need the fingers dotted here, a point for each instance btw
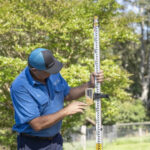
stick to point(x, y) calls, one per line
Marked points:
point(80, 111)
point(83, 108)
point(100, 72)
point(78, 107)
point(99, 76)
point(81, 103)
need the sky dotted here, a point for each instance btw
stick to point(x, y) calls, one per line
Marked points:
point(128, 6)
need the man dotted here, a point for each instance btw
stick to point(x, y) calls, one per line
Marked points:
point(38, 95)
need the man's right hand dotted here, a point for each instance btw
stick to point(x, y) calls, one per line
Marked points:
point(75, 107)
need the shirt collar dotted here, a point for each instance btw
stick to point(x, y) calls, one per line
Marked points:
point(30, 78)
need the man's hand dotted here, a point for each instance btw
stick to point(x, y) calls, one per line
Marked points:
point(99, 77)
point(75, 107)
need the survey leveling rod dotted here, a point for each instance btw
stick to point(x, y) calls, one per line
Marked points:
point(97, 96)
point(90, 95)
point(99, 128)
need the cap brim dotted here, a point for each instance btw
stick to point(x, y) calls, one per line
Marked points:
point(55, 68)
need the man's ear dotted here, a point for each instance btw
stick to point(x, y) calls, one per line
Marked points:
point(33, 70)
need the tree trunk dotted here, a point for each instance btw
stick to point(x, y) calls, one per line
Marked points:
point(144, 83)
point(144, 74)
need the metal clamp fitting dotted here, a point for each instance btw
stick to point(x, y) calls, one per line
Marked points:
point(100, 95)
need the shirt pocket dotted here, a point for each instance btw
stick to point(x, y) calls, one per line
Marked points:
point(59, 91)
point(42, 101)
point(59, 88)
point(43, 104)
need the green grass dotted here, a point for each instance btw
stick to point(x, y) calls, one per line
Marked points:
point(128, 143)
point(132, 143)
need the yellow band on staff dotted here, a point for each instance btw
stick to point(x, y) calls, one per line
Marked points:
point(95, 21)
point(95, 17)
point(98, 146)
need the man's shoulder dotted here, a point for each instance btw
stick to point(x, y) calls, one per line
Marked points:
point(20, 82)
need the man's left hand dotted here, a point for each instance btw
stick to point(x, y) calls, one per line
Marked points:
point(99, 77)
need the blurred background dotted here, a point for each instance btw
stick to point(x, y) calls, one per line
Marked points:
point(66, 28)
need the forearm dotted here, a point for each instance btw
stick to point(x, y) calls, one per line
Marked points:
point(47, 121)
point(77, 92)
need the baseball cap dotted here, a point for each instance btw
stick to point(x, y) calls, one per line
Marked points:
point(43, 59)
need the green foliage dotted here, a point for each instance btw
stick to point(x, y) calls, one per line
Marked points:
point(131, 112)
point(10, 68)
point(116, 83)
point(63, 26)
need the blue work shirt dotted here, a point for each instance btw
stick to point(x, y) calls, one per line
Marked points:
point(32, 99)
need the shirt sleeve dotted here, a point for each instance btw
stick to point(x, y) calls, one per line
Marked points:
point(25, 107)
point(66, 86)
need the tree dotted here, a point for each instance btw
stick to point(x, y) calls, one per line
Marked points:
point(136, 55)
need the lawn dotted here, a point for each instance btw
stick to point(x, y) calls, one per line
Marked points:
point(128, 143)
